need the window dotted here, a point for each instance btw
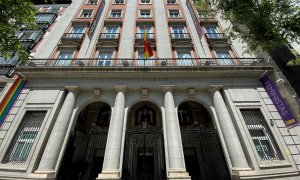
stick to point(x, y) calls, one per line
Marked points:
point(45, 18)
point(116, 14)
point(140, 59)
point(145, 1)
point(145, 13)
point(119, 2)
point(64, 58)
point(171, 2)
point(24, 138)
point(111, 32)
point(105, 57)
point(2, 85)
point(141, 30)
point(178, 32)
point(86, 13)
point(261, 135)
point(174, 14)
point(212, 32)
point(184, 57)
point(29, 35)
point(77, 32)
point(92, 1)
point(223, 58)
point(103, 117)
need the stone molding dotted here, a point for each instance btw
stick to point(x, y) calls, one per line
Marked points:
point(214, 88)
point(121, 88)
point(168, 88)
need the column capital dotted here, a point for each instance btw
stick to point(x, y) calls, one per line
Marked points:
point(214, 88)
point(121, 88)
point(168, 88)
point(72, 88)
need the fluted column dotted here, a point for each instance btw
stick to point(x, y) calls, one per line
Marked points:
point(53, 148)
point(111, 163)
point(233, 144)
point(174, 146)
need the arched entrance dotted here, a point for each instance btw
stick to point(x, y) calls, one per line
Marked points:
point(84, 155)
point(203, 153)
point(144, 149)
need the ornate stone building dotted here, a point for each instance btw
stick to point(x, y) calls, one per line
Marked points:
point(94, 108)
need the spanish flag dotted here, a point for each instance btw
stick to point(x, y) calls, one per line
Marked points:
point(147, 49)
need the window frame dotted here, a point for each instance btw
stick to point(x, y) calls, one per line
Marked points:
point(86, 11)
point(89, 2)
point(119, 2)
point(115, 11)
point(174, 11)
point(250, 146)
point(141, 2)
point(170, 3)
point(105, 50)
point(12, 132)
point(145, 11)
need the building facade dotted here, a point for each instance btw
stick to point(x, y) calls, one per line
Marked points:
point(94, 108)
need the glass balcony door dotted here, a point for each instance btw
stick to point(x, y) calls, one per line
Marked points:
point(64, 58)
point(104, 58)
point(178, 32)
point(111, 32)
point(184, 57)
point(224, 58)
point(212, 32)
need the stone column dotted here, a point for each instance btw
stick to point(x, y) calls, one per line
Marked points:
point(176, 162)
point(53, 148)
point(111, 163)
point(233, 144)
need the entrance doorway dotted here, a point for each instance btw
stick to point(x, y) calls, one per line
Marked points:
point(84, 155)
point(203, 153)
point(144, 149)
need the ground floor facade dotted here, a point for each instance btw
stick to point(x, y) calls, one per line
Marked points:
point(147, 126)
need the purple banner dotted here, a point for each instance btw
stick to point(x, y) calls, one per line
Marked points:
point(282, 108)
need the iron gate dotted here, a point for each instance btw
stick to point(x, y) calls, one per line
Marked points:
point(144, 155)
point(88, 166)
point(203, 154)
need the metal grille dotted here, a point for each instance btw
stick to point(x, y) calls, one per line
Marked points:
point(261, 135)
point(203, 153)
point(144, 155)
point(24, 138)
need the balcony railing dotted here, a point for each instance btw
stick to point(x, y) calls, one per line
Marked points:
point(186, 62)
point(180, 36)
point(141, 35)
point(73, 36)
point(215, 36)
point(109, 36)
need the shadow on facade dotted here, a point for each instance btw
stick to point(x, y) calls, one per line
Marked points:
point(84, 155)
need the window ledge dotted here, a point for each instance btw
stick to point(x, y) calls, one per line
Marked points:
point(274, 164)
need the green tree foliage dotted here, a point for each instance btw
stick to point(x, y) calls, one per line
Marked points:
point(267, 24)
point(14, 16)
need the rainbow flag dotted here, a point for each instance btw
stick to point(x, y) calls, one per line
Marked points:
point(10, 98)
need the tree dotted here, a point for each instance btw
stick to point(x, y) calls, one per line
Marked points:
point(268, 24)
point(14, 16)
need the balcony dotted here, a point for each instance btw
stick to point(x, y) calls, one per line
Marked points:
point(76, 37)
point(109, 39)
point(180, 36)
point(7, 65)
point(139, 37)
point(30, 38)
point(185, 62)
point(217, 39)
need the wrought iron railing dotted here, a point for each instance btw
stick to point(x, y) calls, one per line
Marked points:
point(141, 35)
point(109, 36)
point(186, 62)
point(215, 36)
point(73, 36)
point(180, 36)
